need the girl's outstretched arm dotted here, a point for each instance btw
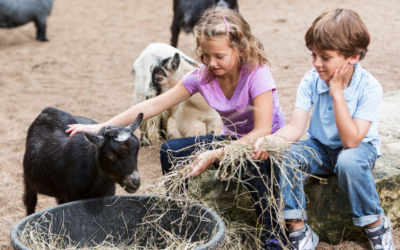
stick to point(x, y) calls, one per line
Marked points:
point(149, 108)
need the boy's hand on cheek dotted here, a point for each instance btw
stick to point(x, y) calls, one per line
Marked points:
point(336, 82)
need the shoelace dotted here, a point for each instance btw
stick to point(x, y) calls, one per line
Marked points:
point(294, 240)
point(377, 233)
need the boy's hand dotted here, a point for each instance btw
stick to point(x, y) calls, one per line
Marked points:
point(336, 82)
point(203, 162)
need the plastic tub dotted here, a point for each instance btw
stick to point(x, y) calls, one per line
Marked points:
point(91, 221)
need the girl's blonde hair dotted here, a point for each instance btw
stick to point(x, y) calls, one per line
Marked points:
point(241, 39)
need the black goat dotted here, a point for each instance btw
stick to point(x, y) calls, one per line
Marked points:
point(187, 13)
point(80, 167)
point(15, 13)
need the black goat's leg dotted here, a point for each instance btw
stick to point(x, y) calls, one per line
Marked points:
point(60, 201)
point(163, 129)
point(175, 30)
point(40, 24)
point(30, 198)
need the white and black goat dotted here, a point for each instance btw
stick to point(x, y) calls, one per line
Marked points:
point(80, 167)
point(162, 69)
point(187, 14)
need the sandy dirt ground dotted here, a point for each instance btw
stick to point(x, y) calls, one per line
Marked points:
point(85, 70)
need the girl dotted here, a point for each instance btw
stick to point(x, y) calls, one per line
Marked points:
point(235, 81)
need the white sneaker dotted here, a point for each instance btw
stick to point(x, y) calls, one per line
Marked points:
point(303, 239)
point(380, 237)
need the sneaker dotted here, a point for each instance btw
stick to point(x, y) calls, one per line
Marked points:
point(303, 239)
point(273, 244)
point(380, 237)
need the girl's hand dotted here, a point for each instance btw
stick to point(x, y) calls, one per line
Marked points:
point(259, 154)
point(336, 82)
point(76, 128)
point(203, 162)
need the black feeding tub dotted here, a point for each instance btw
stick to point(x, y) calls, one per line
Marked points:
point(91, 221)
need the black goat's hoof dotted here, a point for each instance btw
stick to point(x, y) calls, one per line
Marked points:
point(145, 144)
point(42, 39)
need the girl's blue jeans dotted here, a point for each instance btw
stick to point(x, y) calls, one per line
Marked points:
point(257, 182)
point(353, 168)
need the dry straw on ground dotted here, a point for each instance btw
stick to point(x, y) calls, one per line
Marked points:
point(151, 128)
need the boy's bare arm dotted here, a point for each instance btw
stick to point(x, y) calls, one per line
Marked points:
point(289, 133)
point(351, 130)
point(293, 130)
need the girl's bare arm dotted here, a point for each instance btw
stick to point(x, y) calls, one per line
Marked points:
point(149, 108)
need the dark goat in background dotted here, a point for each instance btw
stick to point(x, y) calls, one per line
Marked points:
point(187, 13)
point(14, 13)
point(80, 167)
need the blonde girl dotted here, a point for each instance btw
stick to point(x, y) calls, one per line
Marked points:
point(235, 80)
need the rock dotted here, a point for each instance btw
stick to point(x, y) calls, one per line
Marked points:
point(328, 208)
point(389, 123)
point(214, 192)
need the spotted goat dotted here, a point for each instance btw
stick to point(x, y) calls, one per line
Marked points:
point(159, 68)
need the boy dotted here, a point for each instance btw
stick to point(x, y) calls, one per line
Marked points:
point(342, 130)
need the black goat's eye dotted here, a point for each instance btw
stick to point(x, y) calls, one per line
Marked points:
point(159, 79)
point(110, 156)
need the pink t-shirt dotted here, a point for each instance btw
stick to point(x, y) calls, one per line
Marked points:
point(237, 113)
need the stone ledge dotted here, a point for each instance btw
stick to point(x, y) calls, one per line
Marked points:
point(328, 209)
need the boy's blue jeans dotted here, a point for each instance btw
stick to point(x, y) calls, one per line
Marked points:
point(353, 168)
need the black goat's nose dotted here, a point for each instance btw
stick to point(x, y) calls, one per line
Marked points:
point(131, 183)
point(135, 178)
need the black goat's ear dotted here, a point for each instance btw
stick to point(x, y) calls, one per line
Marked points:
point(96, 140)
point(137, 122)
point(175, 61)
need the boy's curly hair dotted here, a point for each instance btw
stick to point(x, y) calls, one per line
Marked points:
point(241, 39)
point(340, 30)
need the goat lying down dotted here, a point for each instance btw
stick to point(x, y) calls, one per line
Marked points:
point(80, 167)
point(159, 68)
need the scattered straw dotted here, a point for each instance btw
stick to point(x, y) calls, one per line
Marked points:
point(151, 128)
